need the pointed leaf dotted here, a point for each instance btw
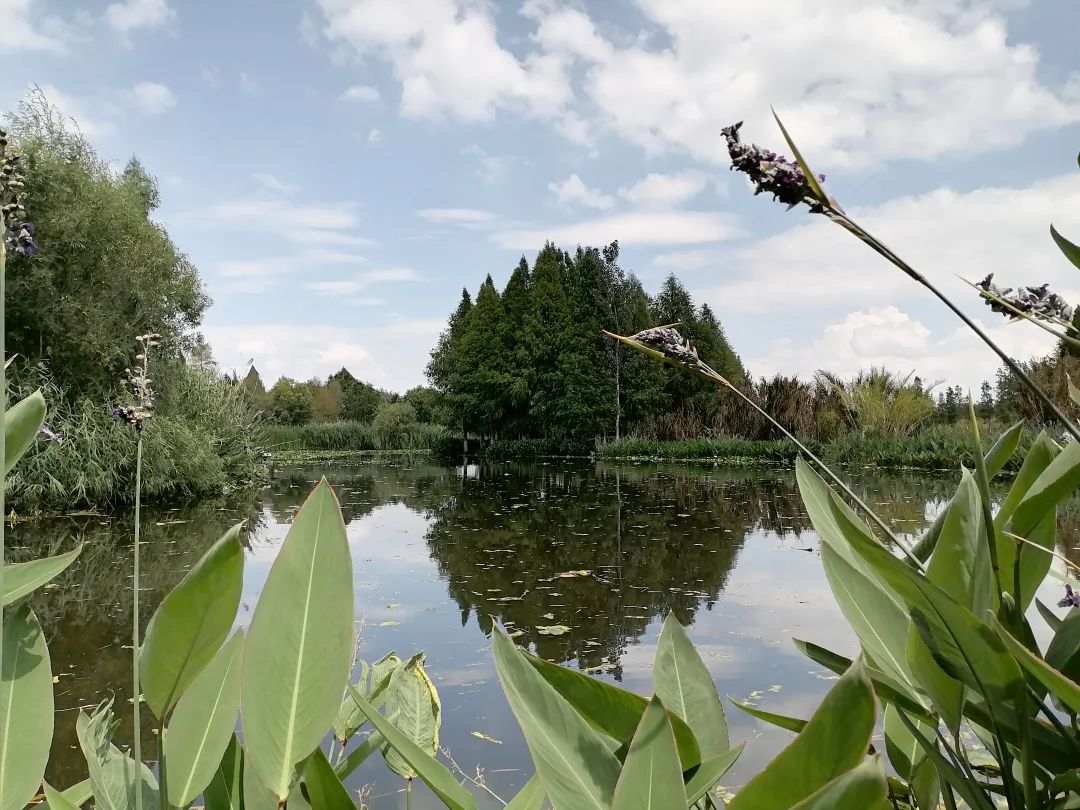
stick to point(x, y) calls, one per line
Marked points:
point(709, 772)
point(611, 709)
point(530, 797)
point(778, 720)
point(202, 724)
point(55, 800)
point(114, 775)
point(1042, 451)
point(1061, 687)
point(835, 740)
point(684, 685)
point(349, 719)
point(1051, 618)
point(359, 755)
point(79, 793)
point(1071, 251)
point(1063, 652)
point(576, 766)
point(324, 788)
point(1002, 450)
point(971, 792)
point(226, 788)
point(26, 708)
point(413, 707)
point(22, 422)
point(191, 623)
point(1059, 480)
point(861, 788)
point(811, 178)
point(651, 776)
point(299, 645)
point(24, 578)
point(430, 770)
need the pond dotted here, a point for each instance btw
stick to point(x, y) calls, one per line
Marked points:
point(440, 552)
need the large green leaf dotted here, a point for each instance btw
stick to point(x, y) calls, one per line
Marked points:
point(685, 687)
point(191, 623)
point(372, 683)
point(908, 757)
point(610, 709)
point(1042, 451)
point(1070, 250)
point(708, 773)
point(202, 724)
point(651, 777)
point(530, 797)
point(1060, 479)
point(1063, 652)
point(26, 708)
point(114, 775)
point(355, 758)
point(23, 578)
point(299, 645)
point(22, 422)
point(861, 788)
point(835, 740)
point(55, 800)
point(413, 707)
point(576, 766)
point(226, 788)
point(779, 720)
point(429, 769)
point(1061, 687)
point(969, 790)
point(79, 793)
point(324, 788)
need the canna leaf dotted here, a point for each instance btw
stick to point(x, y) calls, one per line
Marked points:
point(1061, 687)
point(324, 788)
point(778, 720)
point(1063, 652)
point(22, 422)
point(299, 646)
point(202, 724)
point(651, 776)
point(24, 578)
point(861, 788)
point(1069, 249)
point(684, 685)
point(55, 800)
point(530, 797)
point(709, 772)
point(226, 788)
point(26, 708)
point(413, 708)
point(114, 776)
point(191, 623)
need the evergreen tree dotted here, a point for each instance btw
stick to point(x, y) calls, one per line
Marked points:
point(358, 400)
point(518, 365)
point(443, 368)
point(546, 333)
point(256, 390)
point(986, 399)
point(481, 362)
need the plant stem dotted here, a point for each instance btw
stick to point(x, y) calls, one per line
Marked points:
point(3, 416)
point(849, 224)
point(163, 773)
point(1026, 758)
point(135, 691)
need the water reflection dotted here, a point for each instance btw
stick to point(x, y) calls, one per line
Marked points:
point(441, 552)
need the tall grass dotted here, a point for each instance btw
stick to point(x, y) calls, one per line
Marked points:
point(357, 436)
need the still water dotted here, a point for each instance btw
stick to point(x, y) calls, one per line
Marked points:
point(441, 552)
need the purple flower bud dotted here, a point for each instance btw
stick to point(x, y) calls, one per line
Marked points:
point(1072, 599)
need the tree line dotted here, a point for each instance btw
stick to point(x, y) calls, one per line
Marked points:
point(531, 360)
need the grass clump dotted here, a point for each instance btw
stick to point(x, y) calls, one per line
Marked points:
point(351, 436)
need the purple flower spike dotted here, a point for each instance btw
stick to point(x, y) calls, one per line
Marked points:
point(1072, 598)
point(769, 172)
point(47, 434)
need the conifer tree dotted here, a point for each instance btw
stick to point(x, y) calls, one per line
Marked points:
point(442, 369)
point(546, 333)
point(518, 365)
point(481, 362)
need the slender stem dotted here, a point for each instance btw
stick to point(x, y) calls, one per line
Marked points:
point(3, 416)
point(163, 772)
point(135, 691)
point(1026, 758)
point(849, 224)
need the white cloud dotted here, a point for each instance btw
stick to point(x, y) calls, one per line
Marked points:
point(391, 356)
point(362, 281)
point(456, 216)
point(941, 233)
point(573, 191)
point(688, 259)
point(262, 274)
point(657, 190)
point(361, 93)
point(78, 111)
point(374, 135)
point(492, 169)
point(887, 336)
point(28, 27)
point(322, 224)
point(248, 84)
point(633, 228)
point(273, 183)
point(151, 98)
point(130, 15)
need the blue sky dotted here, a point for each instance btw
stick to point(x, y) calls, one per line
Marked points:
point(339, 169)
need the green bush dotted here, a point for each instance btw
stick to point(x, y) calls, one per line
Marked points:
point(355, 436)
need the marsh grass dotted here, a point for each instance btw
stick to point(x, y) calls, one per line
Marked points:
point(350, 436)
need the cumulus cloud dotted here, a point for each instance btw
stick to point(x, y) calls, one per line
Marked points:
point(361, 93)
point(656, 190)
point(28, 27)
point(573, 191)
point(151, 98)
point(130, 15)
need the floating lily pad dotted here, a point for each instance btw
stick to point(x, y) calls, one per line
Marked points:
point(552, 629)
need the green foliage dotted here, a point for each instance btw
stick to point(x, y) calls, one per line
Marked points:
point(880, 403)
point(358, 436)
point(290, 402)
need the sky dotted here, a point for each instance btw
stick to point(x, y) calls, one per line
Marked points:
point(339, 169)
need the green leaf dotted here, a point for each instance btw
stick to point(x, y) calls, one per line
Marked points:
point(257, 796)
point(1063, 652)
point(1002, 450)
point(530, 797)
point(114, 775)
point(413, 707)
point(23, 578)
point(861, 788)
point(970, 791)
point(358, 755)
point(1051, 618)
point(905, 752)
point(226, 788)
point(960, 565)
point(324, 788)
point(191, 623)
point(1038, 458)
point(610, 709)
point(684, 685)
point(79, 793)
point(299, 645)
point(55, 800)
point(26, 708)
point(651, 776)
point(576, 766)
point(1071, 251)
point(1061, 687)
point(429, 769)
point(835, 740)
point(1055, 483)
point(778, 720)
point(348, 719)
point(709, 772)
point(811, 178)
point(22, 422)
point(202, 724)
